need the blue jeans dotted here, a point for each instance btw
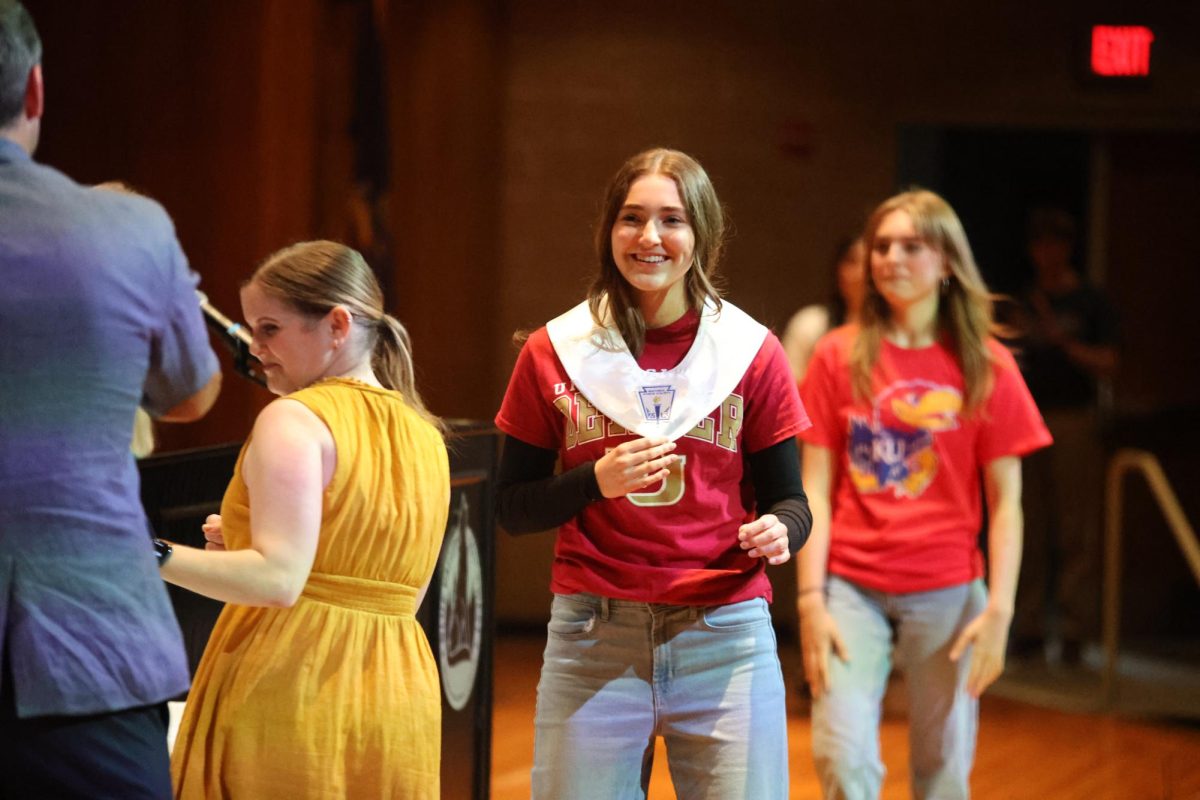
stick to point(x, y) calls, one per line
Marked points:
point(917, 630)
point(616, 674)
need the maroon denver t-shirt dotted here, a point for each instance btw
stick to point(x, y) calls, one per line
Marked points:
point(675, 542)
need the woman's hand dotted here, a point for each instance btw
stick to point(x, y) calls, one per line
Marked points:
point(819, 638)
point(765, 537)
point(632, 466)
point(988, 634)
point(213, 538)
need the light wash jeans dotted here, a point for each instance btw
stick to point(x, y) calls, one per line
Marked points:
point(616, 674)
point(918, 630)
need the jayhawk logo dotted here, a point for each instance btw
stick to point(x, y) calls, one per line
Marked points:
point(894, 446)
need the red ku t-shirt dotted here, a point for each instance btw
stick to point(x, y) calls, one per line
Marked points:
point(675, 542)
point(906, 488)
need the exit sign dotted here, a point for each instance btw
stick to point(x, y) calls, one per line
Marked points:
point(1121, 51)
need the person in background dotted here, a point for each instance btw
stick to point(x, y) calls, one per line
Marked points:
point(812, 322)
point(1067, 349)
point(674, 417)
point(912, 408)
point(142, 439)
point(317, 680)
point(141, 443)
point(98, 316)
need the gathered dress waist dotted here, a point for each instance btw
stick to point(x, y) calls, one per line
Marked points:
point(361, 594)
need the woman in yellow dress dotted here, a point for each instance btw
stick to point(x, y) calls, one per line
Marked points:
point(317, 681)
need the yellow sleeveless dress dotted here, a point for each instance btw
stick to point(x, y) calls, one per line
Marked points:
point(337, 696)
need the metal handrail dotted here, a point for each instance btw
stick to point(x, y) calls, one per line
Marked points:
point(1124, 461)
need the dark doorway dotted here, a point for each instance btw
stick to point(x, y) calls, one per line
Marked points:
point(993, 178)
point(1136, 198)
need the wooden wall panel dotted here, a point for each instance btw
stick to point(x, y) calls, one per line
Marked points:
point(211, 109)
point(446, 71)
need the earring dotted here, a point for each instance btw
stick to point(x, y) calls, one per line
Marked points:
point(946, 285)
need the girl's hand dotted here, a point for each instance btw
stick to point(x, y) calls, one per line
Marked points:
point(819, 639)
point(632, 466)
point(987, 635)
point(214, 540)
point(765, 537)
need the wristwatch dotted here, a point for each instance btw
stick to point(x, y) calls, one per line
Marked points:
point(162, 550)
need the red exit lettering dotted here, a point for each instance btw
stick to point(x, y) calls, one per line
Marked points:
point(1121, 50)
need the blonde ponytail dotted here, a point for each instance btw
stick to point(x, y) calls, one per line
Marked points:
point(392, 362)
point(316, 276)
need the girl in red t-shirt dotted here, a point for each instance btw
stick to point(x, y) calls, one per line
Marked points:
point(673, 416)
point(910, 408)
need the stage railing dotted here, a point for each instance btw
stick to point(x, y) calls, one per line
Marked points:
point(1123, 462)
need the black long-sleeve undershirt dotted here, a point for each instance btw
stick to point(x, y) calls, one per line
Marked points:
point(775, 475)
point(530, 497)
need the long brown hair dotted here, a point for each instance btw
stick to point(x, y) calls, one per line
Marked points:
point(704, 214)
point(314, 277)
point(964, 309)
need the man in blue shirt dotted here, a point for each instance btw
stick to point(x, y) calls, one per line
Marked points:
point(98, 315)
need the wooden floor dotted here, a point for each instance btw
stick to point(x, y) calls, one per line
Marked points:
point(1024, 752)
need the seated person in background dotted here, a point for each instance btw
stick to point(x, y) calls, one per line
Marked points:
point(812, 322)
